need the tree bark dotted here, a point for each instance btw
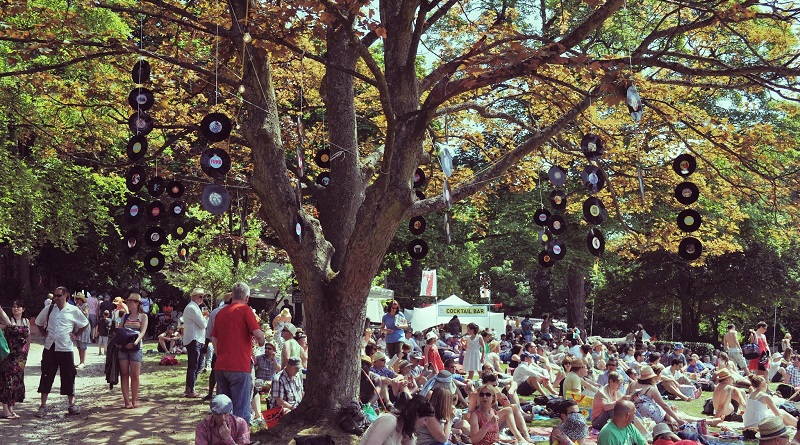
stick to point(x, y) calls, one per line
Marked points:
point(576, 302)
point(686, 296)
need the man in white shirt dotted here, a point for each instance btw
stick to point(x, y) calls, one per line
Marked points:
point(530, 377)
point(672, 378)
point(194, 336)
point(63, 323)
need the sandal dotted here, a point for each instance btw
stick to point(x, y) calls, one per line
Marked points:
point(42, 412)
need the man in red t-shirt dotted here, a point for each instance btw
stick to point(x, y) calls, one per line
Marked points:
point(234, 329)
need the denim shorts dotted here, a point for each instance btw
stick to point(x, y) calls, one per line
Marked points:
point(131, 356)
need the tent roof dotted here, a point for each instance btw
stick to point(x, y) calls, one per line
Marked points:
point(453, 300)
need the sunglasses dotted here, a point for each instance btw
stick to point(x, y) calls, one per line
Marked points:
point(486, 394)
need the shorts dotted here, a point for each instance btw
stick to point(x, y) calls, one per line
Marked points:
point(524, 389)
point(102, 341)
point(131, 356)
point(81, 345)
point(735, 355)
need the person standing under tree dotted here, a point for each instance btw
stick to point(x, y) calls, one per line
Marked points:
point(61, 323)
point(730, 341)
point(12, 368)
point(392, 324)
point(194, 330)
point(760, 365)
point(130, 354)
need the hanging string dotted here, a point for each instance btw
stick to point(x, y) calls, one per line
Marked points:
point(216, 66)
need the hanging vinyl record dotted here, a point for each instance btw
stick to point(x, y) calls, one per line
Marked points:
point(215, 199)
point(690, 248)
point(558, 199)
point(134, 209)
point(155, 186)
point(592, 147)
point(180, 231)
point(684, 165)
point(634, 103)
point(131, 242)
point(417, 225)
point(557, 176)
point(419, 177)
point(243, 254)
point(448, 234)
point(155, 236)
point(153, 262)
point(323, 158)
point(215, 162)
point(446, 195)
point(183, 252)
point(175, 189)
point(596, 242)
point(140, 123)
point(298, 229)
point(177, 209)
point(545, 236)
point(137, 148)
point(155, 210)
point(593, 178)
point(557, 249)
point(419, 194)
point(540, 217)
point(689, 220)
point(417, 249)
point(546, 259)
point(594, 212)
point(216, 127)
point(324, 179)
point(141, 72)
point(141, 99)
point(686, 193)
point(557, 224)
point(135, 178)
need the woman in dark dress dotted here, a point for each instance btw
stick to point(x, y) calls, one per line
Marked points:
point(12, 369)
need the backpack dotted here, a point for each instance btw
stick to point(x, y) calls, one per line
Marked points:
point(168, 360)
point(708, 407)
point(352, 419)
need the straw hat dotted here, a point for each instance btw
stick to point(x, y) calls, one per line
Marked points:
point(772, 427)
point(198, 291)
point(402, 364)
point(432, 335)
point(577, 363)
point(646, 373)
point(118, 300)
point(80, 296)
point(661, 428)
point(378, 356)
point(723, 374)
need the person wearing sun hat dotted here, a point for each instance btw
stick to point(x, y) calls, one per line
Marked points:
point(222, 426)
point(727, 397)
point(194, 337)
point(431, 352)
point(772, 431)
point(82, 341)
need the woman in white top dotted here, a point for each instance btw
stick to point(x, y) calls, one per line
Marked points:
point(760, 405)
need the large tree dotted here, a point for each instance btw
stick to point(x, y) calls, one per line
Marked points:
point(383, 83)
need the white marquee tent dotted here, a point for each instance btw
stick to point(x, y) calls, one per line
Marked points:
point(426, 317)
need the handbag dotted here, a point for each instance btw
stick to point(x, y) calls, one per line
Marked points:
point(272, 416)
point(750, 351)
point(123, 336)
point(4, 349)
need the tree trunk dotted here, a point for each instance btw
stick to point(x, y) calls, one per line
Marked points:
point(685, 294)
point(576, 301)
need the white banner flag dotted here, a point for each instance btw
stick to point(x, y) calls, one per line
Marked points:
point(486, 293)
point(427, 287)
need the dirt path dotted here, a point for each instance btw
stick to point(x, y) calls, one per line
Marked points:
point(164, 415)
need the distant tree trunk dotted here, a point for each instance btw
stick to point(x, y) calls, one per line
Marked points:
point(689, 320)
point(576, 302)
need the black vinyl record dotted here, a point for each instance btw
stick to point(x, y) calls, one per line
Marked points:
point(690, 248)
point(592, 147)
point(183, 252)
point(686, 193)
point(134, 209)
point(546, 259)
point(419, 194)
point(175, 189)
point(140, 123)
point(557, 176)
point(417, 249)
point(299, 229)
point(180, 231)
point(557, 249)
point(216, 127)
point(557, 224)
point(153, 262)
point(215, 199)
point(243, 254)
point(448, 233)
point(689, 220)
point(155, 210)
point(596, 242)
point(140, 73)
point(135, 178)
point(131, 242)
point(558, 199)
point(417, 225)
point(545, 236)
point(177, 209)
point(215, 162)
point(684, 165)
point(324, 179)
point(634, 103)
point(141, 99)
point(446, 195)
point(541, 216)
point(593, 178)
point(323, 158)
point(155, 236)
point(155, 186)
point(419, 177)
point(594, 212)
point(137, 148)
